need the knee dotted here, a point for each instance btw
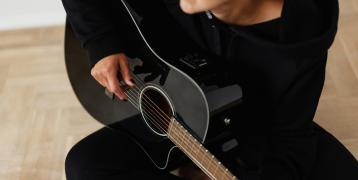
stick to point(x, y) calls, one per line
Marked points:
point(75, 163)
point(95, 156)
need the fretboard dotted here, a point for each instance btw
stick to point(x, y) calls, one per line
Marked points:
point(197, 152)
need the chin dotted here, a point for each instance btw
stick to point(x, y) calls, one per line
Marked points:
point(195, 6)
point(188, 10)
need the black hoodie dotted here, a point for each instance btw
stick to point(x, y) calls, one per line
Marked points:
point(282, 79)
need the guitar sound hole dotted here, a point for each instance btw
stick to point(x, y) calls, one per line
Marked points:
point(156, 109)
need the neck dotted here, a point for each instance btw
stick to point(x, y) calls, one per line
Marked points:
point(198, 153)
point(247, 12)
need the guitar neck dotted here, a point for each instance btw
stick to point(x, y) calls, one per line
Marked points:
point(197, 152)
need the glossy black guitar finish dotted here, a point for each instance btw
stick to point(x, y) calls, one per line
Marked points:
point(185, 82)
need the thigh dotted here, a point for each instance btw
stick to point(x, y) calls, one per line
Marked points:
point(108, 154)
point(334, 161)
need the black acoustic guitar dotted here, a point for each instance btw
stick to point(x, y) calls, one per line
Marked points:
point(179, 91)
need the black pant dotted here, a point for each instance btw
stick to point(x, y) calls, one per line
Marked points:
point(107, 154)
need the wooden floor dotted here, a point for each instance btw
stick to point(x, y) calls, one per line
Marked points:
point(40, 118)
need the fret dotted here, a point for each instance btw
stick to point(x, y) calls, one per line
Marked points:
point(214, 166)
point(217, 167)
point(170, 127)
point(195, 150)
point(208, 160)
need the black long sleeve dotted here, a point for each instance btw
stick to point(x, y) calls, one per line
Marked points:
point(95, 26)
point(291, 151)
point(292, 142)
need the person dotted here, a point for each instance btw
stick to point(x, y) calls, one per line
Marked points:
point(278, 50)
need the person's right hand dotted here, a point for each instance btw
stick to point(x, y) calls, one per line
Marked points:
point(105, 72)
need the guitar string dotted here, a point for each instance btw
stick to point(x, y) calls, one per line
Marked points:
point(188, 153)
point(208, 158)
point(124, 3)
point(184, 140)
point(147, 98)
point(140, 81)
point(150, 114)
point(156, 108)
point(195, 151)
point(180, 138)
point(148, 107)
point(216, 163)
point(159, 126)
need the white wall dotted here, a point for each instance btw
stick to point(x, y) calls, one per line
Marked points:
point(30, 13)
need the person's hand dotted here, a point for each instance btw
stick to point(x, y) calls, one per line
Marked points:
point(105, 73)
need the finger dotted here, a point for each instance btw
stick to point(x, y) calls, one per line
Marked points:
point(114, 86)
point(125, 71)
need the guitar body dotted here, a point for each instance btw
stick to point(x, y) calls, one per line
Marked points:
point(170, 72)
